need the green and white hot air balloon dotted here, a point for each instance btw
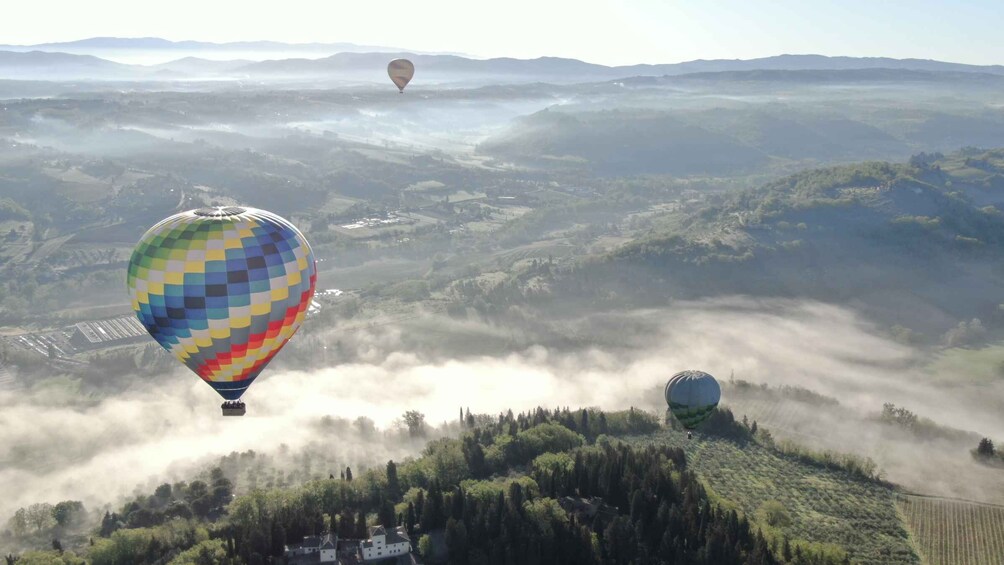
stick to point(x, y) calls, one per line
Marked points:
point(692, 397)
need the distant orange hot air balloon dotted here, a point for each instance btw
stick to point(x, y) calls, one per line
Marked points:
point(401, 71)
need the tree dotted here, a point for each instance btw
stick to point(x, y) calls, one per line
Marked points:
point(66, 512)
point(393, 486)
point(40, 516)
point(409, 518)
point(346, 524)
point(361, 531)
point(196, 490)
point(456, 541)
point(386, 515)
point(415, 421)
point(774, 513)
point(222, 488)
point(425, 546)
point(278, 539)
point(199, 498)
point(457, 507)
point(433, 515)
point(109, 523)
point(19, 522)
point(163, 492)
point(985, 448)
point(365, 426)
point(900, 416)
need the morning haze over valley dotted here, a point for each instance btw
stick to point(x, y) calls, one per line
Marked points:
point(613, 283)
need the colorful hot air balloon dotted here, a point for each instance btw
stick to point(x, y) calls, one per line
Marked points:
point(401, 71)
point(223, 289)
point(692, 397)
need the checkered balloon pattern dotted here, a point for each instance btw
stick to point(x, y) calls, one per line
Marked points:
point(223, 289)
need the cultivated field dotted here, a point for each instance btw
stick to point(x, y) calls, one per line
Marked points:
point(776, 413)
point(949, 532)
point(824, 506)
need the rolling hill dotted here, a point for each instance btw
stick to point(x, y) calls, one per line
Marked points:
point(617, 142)
point(857, 234)
point(39, 65)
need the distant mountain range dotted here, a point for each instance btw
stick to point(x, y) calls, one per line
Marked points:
point(564, 68)
point(809, 76)
point(77, 60)
point(39, 65)
point(158, 44)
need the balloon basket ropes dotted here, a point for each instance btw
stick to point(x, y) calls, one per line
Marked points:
point(233, 408)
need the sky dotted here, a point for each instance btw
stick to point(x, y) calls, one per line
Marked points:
point(601, 31)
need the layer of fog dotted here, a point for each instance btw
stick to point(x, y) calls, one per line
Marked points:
point(421, 122)
point(457, 126)
point(102, 450)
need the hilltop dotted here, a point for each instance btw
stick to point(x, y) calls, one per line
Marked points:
point(848, 234)
point(559, 482)
point(545, 486)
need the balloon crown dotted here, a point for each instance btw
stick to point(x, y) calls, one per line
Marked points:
point(220, 211)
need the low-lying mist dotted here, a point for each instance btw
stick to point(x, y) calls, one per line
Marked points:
point(103, 449)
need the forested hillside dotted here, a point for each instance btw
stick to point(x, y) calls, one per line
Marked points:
point(857, 233)
point(538, 487)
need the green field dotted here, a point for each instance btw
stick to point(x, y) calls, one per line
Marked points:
point(371, 272)
point(777, 413)
point(979, 365)
point(949, 532)
point(825, 506)
point(539, 250)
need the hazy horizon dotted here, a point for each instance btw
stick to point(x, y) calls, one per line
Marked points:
point(638, 32)
point(514, 260)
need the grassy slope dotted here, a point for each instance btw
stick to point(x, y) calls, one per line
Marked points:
point(841, 429)
point(825, 506)
point(982, 364)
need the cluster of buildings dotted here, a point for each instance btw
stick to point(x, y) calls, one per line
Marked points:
point(109, 332)
point(101, 333)
point(376, 222)
point(384, 546)
point(84, 336)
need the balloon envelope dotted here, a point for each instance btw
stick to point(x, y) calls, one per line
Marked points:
point(401, 71)
point(222, 289)
point(692, 397)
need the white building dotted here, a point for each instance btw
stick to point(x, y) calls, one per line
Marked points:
point(383, 544)
point(313, 549)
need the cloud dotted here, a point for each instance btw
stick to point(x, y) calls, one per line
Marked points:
point(99, 451)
